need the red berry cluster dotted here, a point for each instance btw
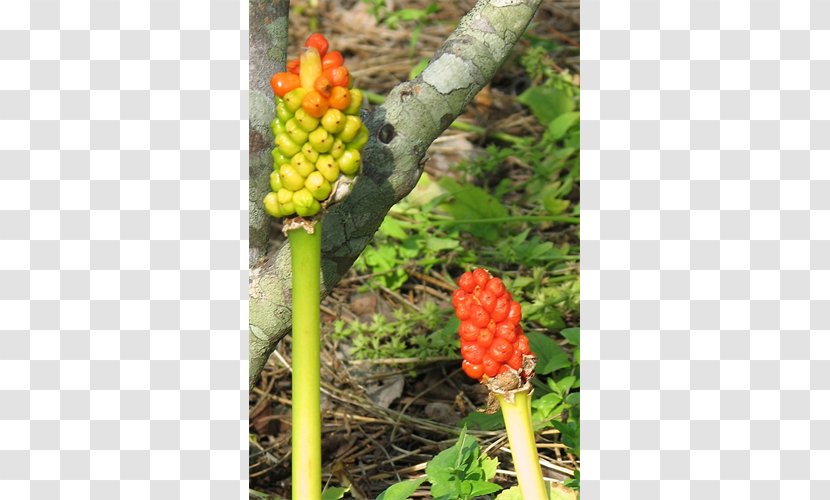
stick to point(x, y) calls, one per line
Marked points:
point(492, 341)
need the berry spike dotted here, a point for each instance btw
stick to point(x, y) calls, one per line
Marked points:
point(318, 133)
point(492, 340)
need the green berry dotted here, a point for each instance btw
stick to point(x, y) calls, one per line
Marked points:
point(276, 184)
point(337, 149)
point(318, 186)
point(350, 129)
point(272, 206)
point(295, 131)
point(290, 178)
point(333, 121)
point(321, 140)
point(303, 166)
point(287, 147)
point(285, 196)
point(360, 139)
point(349, 163)
point(305, 204)
point(294, 99)
point(354, 105)
point(308, 122)
point(282, 112)
point(327, 166)
point(310, 153)
point(287, 208)
point(277, 127)
point(279, 158)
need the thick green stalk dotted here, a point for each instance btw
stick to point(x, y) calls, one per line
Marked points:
point(305, 364)
point(519, 428)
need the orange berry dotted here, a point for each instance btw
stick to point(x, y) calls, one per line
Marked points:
point(323, 86)
point(315, 104)
point(293, 66)
point(340, 98)
point(283, 83)
point(338, 76)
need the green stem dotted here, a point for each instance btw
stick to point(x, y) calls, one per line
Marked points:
point(374, 98)
point(523, 444)
point(518, 218)
point(306, 477)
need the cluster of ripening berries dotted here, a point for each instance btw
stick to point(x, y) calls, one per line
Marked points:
point(318, 133)
point(492, 342)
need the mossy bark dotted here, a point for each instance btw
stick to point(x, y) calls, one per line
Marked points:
point(413, 116)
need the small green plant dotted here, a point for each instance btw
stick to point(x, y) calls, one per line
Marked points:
point(459, 472)
point(423, 333)
point(392, 18)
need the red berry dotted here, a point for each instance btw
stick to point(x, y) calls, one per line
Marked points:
point(491, 366)
point(293, 66)
point(495, 286)
point(462, 310)
point(332, 60)
point(472, 352)
point(479, 316)
point(467, 282)
point(468, 331)
point(488, 301)
point(515, 313)
point(485, 337)
point(472, 371)
point(504, 368)
point(319, 42)
point(515, 361)
point(506, 331)
point(481, 276)
point(500, 309)
point(501, 350)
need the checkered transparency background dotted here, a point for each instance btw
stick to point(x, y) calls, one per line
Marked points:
point(123, 269)
point(706, 249)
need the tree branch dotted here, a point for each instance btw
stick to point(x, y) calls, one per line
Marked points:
point(268, 44)
point(401, 130)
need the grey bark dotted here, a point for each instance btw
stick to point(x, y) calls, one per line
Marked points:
point(267, 44)
point(413, 116)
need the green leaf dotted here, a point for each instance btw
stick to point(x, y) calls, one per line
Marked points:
point(471, 202)
point(513, 493)
point(560, 125)
point(334, 493)
point(558, 491)
point(402, 490)
point(393, 228)
point(418, 68)
point(480, 488)
point(546, 103)
point(483, 421)
point(571, 335)
point(489, 466)
point(550, 356)
point(566, 383)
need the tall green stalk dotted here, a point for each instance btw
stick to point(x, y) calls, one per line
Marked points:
point(306, 477)
point(519, 427)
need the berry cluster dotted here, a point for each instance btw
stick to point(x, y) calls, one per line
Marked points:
point(492, 342)
point(318, 133)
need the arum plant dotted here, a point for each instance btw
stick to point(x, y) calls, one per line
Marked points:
point(496, 352)
point(318, 136)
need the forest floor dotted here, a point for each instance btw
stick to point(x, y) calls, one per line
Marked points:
point(393, 392)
